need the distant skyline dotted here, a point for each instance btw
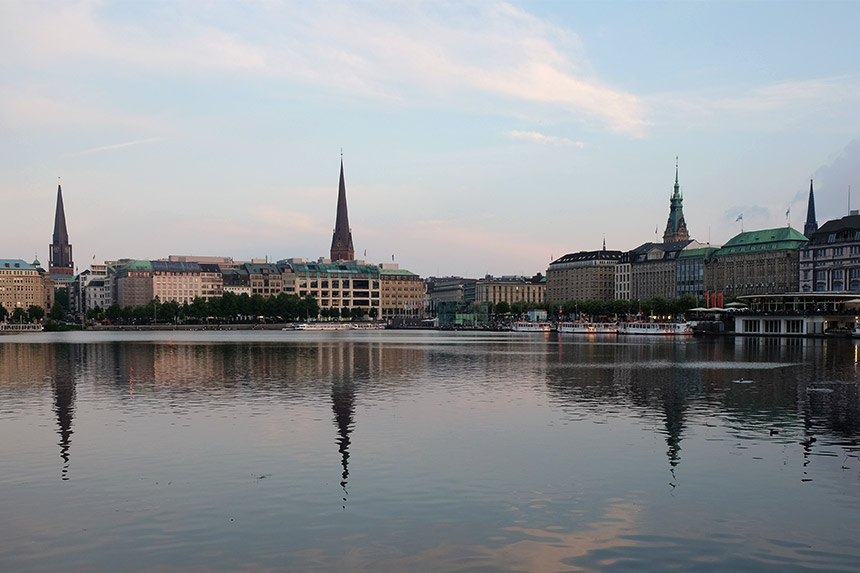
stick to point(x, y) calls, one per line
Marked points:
point(477, 138)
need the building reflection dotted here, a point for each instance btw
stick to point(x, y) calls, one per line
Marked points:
point(63, 383)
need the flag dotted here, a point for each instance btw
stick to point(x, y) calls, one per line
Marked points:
point(740, 218)
point(787, 211)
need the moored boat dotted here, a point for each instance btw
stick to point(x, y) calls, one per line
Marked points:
point(583, 327)
point(526, 326)
point(318, 326)
point(655, 328)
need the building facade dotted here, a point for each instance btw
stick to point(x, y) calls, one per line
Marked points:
point(756, 262)
point(339, 285)
point(830, 262)
point(401, 293)
point(23, 285)
point(582, 276)
point(511, 289)
point(690, 271)
point(653, 269)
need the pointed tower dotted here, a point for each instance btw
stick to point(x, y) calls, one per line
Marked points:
point(60, 259)
point(811, 223)
point(676, 227)
point(341, 240)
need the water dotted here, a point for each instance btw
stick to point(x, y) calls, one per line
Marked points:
point(391, 451)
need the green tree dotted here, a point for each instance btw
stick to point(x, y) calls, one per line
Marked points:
point(35, 313)
point(309, 308)
point(169, 311)
point(374, 313)
point(61, 296)
point(19, 314)
point(502, 307)
point(3, 313)
point(113, 312)
point(345, 312)
point(57, 312)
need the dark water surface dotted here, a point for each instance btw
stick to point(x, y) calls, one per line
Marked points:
point(427, 451)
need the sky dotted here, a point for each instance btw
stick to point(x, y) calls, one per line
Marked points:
point(476, 138)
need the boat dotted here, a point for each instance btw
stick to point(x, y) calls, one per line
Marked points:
point(526, 326)
point(15, 327)
point(334, 326)
point(655, 328)
point(318, 326)
point(583, 327)
point(367, 326)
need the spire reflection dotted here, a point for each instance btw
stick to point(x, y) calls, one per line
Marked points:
point(64, 401)
point(343, 406)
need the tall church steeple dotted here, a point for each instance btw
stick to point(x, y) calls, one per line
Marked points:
point(60, 260)
point(811, 223)
point(341, 240)
point(676, 227)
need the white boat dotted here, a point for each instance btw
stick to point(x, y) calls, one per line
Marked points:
point(14, 327)
point(656, 328)
point(526, 326)
point(582, 327)
point(367, 326)
point(318, 326)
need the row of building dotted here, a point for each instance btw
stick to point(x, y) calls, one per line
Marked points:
point(770, 261)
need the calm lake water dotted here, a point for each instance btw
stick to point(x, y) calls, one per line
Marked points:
point(427, 451)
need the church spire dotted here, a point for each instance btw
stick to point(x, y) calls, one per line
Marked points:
point(60, 260)
point(811, 223)
point(676, 227)
point(341, 240)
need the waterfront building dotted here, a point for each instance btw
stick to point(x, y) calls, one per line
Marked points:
point(23, 285)
point(60, 263)
point(653, 269)
point(830, 262)
point(442, 290)
point(799, 314)
point(138, 282)
point(676, 226)
point(236, 281)
point(264, 279)
point(622, 277)
point(690, 271)
point(583, 275)
point(89, 289)
point(511, 289)
point(401, 292)
point(811, 225)
point(341, 241)
point(222, 262)
point(756, 262)
point(339, 284)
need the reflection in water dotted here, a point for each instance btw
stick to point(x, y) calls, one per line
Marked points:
point(342, 397)
point(64, 399)
point(509, 453)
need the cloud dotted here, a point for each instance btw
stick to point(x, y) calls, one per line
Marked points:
point(541, 138)
point(772, 106)
point(116, 146)
point(27, 107)
point(832, 181)
point(408, 53)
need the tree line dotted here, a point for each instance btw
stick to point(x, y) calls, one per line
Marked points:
point(229, 307)
point(656, 306)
